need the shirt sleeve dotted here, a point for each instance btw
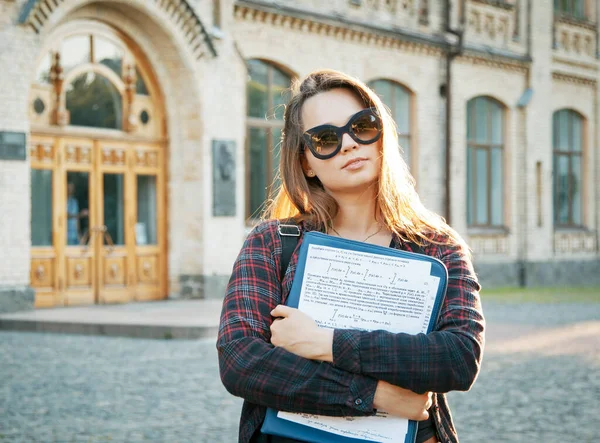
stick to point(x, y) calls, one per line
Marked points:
point(252, 368)
point(444, 360)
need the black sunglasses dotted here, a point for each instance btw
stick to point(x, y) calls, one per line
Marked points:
point(325, 141)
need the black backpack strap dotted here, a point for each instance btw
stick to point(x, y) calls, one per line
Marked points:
point(289, 232)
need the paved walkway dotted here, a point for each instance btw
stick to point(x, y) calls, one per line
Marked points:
point(540, 381)
point(160, 319)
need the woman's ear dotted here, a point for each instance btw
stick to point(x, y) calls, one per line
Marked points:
point(306, 167)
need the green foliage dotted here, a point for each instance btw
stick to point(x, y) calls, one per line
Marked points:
point(557, 294)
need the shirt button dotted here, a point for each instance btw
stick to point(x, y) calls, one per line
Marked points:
point(358, 402)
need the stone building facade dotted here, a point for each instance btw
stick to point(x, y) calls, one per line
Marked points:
point(155, 124)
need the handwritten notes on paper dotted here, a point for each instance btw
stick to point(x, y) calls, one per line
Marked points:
point(343, 289)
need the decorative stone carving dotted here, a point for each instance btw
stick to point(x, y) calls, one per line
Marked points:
point(113, 156)
point(79, 154)
point(146, 159)
point(574, 242)
point(489, 244)
point(42, 152)
point(577, 41)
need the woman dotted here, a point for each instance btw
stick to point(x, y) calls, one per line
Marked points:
point(342, 173)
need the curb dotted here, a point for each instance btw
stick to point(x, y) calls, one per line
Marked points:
point(157, 332)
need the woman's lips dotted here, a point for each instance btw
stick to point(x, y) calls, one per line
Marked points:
point(356, 163)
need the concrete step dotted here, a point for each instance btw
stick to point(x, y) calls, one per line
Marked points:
point(171, 319)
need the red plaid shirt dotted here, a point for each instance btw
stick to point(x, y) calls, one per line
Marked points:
point(251, 367)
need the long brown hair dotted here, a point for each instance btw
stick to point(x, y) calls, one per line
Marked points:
point(305, 199)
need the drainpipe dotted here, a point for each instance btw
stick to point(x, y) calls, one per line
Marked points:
point(524, 121)
point(452, 51)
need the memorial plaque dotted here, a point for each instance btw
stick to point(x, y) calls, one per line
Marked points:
point(13, 146)
point(223, 154)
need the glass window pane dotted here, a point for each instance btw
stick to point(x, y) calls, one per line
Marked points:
point(258, 169)
point(555, 132)
point(405, 145)
point(92, 100)
point(280, 90)
point(78, 186)
point(497, 122)
point(108, 54)
point(75, 51)
point(41, 207)
point(562, 189)
point(140, 85)
point(577, 133)
point(402, 109)
point(470, 186)
point(575, 186)
point(145, 228)
point(579, 10)
point(563, 131)
point(276, 143)
point(496, 196)
point(43, 71)
point(481, 120)
point(114, 208)
point(471, 120)
point(258, 96)
point(481, 205)
point(383, 88)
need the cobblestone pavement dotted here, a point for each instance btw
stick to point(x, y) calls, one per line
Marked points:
point(540, 382)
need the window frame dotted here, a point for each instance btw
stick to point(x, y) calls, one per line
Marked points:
point(410, 136)
point(267, 125)
point(571, 10)
point(473, 147)
point(557, 152)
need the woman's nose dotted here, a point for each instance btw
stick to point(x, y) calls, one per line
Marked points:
point(348, 143)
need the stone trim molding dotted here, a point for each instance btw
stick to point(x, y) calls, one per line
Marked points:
point(584, 24)
point(497, 3)
point(348, 30)
point(36, 14)
point(337, 27)
point(576, 64)
point(574, 79)
point(498, 62)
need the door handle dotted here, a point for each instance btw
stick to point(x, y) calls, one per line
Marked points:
point(108, 239)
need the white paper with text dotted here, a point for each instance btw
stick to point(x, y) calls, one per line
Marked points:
point(343, 289)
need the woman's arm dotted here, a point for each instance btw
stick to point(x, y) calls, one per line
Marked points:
point(444, 360)
point(252, 368)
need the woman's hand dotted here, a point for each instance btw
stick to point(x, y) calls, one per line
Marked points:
point(401, 402)
point(297, 333)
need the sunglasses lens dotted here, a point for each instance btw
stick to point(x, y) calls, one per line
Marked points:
point(366, 127)
point(325, 142)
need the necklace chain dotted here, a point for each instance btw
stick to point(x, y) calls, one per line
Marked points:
point(372, 235)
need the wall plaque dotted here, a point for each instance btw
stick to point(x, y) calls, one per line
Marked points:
point(13, 146)
point(223, 155)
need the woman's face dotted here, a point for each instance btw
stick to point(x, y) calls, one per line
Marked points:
point(356, 166)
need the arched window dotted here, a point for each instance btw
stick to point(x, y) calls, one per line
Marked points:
point(485, 164)
point(98, 81)
point(567, 142)
point(93, 101)
point(267, 93)
point(398, 99)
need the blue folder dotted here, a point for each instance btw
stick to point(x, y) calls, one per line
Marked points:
point(284, 428)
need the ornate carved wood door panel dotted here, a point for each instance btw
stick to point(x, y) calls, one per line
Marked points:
point(96, 232)
point(77, 236)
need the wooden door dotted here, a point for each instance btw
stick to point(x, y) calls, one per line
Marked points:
point(149, 222)
point(45, 270)
point(98, 225)
point(114, 203)
point(78, 215)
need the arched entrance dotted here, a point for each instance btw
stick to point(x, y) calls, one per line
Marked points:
point(97, 150)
